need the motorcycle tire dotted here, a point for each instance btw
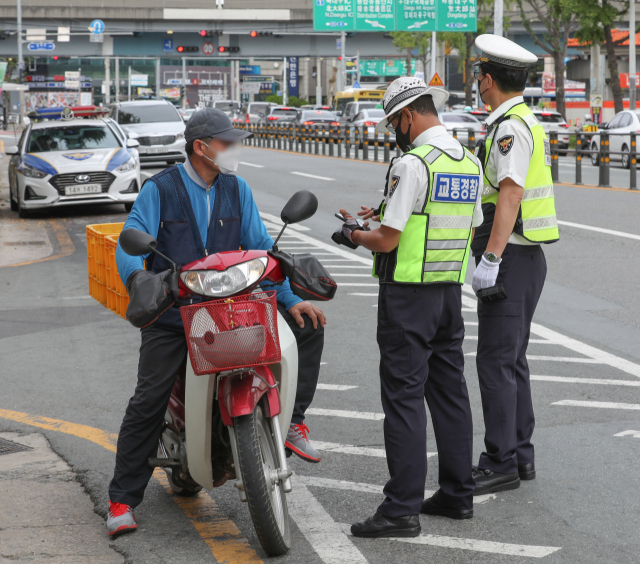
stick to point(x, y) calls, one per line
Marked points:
point(257, 458)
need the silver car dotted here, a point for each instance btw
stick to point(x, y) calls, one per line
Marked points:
point(156, 125)
point(622, 124)
point(553, 121)
point(458, 124)
point(366, 121)
point(255, 111)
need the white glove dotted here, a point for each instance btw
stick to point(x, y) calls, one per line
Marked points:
point(485, 274)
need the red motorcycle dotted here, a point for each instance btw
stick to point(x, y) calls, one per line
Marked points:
point(231, 404)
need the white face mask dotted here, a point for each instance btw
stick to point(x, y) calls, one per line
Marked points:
point(227, 161)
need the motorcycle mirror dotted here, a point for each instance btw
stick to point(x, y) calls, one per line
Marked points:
point(136, 243)
point(302, 205)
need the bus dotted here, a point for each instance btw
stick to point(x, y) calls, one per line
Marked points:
point(341, 99)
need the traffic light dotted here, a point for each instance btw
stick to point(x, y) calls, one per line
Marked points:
point(183, 91)
point(261, 34)
point(222, 49)
point(203, 33)
point(210, 33)
point(183, 49)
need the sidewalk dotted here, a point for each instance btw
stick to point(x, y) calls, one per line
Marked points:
point(45, 516)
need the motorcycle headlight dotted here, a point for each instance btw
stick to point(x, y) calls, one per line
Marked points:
point(222, 283)
point(129, 165)
point(31, 171)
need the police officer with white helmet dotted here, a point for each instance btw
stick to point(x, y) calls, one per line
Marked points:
point(519, 215)
point(421, 250)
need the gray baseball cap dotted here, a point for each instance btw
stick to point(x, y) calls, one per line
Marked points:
point(211, 122)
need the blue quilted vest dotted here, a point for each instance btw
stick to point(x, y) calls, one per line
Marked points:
point(178, 234)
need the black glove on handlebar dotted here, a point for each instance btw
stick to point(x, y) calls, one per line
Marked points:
point(150, 295)
point(343, 236)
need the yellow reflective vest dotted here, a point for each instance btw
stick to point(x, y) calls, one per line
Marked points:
point(434, 246)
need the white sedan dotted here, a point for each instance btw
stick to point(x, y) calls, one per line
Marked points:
point(79, 161)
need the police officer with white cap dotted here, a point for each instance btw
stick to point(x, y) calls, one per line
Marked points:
point(421, 250)
point(519, 215)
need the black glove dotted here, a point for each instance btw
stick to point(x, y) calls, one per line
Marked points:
point(150, 295)
point(344, 235)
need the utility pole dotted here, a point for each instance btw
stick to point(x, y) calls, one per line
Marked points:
point(434, 55)
point(107, 80)
point(343, 65)
point(184, 83)
point(497, 18)
point(20, 60)
point(129, 86)
point(319, 82)
point(158, 78)
point(358, 67)
point(285, 82)
point(117, 79)
point(632, 55)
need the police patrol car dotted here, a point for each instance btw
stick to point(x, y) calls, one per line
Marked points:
point(71, 161)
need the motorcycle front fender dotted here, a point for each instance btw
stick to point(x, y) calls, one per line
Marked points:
point(239, 395)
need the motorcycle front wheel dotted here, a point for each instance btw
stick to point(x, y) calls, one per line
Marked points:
point(257, 457)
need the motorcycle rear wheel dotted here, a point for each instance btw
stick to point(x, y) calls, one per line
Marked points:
point(257, 457)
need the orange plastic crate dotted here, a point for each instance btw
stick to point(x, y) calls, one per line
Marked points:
point(103, 273)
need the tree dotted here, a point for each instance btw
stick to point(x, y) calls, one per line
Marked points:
point(560, 19)
point(405, 41)
point(596, 19)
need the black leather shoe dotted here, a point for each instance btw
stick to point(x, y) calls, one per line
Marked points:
point(381, 526)
point(527, 471)
point(437, 505)
point(488, 481)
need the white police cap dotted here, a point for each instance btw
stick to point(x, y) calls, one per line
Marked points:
point(404, 90)
point(502, 51)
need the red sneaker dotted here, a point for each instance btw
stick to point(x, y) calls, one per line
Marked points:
point(298, 442)
point(120, 519)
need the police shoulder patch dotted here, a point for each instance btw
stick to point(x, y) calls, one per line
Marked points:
point(394, 184)
point(505, 143)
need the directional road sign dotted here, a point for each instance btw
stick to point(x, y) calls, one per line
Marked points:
point(97, 26)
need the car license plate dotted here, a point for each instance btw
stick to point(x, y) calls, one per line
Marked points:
point(155, 150)
point(83, 189)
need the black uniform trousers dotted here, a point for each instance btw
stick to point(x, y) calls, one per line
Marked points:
point(503, 336)
point(162, 352)
point(420, 333)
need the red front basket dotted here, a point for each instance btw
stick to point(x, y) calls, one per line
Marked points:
point(232, 333)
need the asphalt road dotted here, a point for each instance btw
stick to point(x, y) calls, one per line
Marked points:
point(67, 358)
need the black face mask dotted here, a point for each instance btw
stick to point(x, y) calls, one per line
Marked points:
point(480, 91)
point(403, 139)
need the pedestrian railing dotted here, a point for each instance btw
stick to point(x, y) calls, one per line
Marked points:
point(364, 143)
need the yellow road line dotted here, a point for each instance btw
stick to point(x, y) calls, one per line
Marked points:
point(1, 146)
point(66, 245)
point(222, 536)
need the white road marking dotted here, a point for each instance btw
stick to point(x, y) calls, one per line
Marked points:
point(478, 545)
point(251, 164)
point(348, 414)
point(554, 358)
point(335, 387)
point(76, 298)
point(597, 381)
point(278, 223)
point(598, 404)
point(326, 536)
point(634, 434)
point(600, 230)
point(352, 275)
point(351, 449)
point(343, 266)
point(535, 341)
point(345, 485)
point(312, 176)
point(361, 294)
point(359, 284)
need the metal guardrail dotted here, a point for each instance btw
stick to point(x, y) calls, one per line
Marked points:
point(353, 142)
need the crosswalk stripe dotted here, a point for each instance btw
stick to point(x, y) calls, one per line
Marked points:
point(554, 358)
point(596, 381)
point(534, 341)
point(347, 414)
point(329, 483)
point(598, 404)
point(476, 545)
point(335, 387)
point(351, 449)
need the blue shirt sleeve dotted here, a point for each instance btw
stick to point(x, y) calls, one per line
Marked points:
point(145, 215)
point(255, 236)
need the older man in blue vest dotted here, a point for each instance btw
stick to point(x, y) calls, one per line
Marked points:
point(196, 209)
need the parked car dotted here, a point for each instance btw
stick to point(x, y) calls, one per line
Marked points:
point(156, 125)
point(553, 121)
point(227, 105)
point(619, 139)
point(76, 161)
point(314, 107)
point(253, 111)
point(366, 121)
point(352, 109)
point(279, 114)
point(459, 122)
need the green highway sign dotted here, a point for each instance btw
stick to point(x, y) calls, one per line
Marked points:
point(375, 15)
point(457, 15)
point(395, 15)
point(416, 15)
point(333, 15)
point(388, 67)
